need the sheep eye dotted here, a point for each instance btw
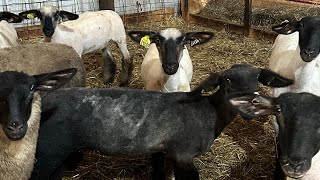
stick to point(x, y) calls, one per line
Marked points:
point(300, 25)
point(228, 80)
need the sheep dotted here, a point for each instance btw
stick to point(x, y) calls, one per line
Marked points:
point(8, 34)
point(20, 105)
point(86, 33)
point(178, 125)
point(295, 54)
point(41, 58)
point(299, 134)
point(168, 50)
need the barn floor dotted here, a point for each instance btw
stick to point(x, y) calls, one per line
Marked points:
point(245, 150)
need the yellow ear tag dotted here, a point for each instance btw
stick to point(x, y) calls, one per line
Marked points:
point(209, 92)
point(30, 16)
point(145, 41)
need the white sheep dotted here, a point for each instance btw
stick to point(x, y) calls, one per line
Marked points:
point(8, 34)
point(296, 55)
point(87, 32)
point(167, 66)
point(20, 118)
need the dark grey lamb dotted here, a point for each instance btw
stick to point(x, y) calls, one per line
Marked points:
point(178, 125)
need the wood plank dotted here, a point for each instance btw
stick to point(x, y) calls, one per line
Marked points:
point(149, 16)
point(231, 27)
point(106, 4)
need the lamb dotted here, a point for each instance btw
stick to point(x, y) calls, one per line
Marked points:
point(8, 34)
point(42, 58)
point(296, 55)
point(299, 134)
point(20, 118)
point(179, 125)
point(168, 50)
point(87, 32)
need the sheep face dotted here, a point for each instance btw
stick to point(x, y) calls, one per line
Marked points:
point(49, 16)
point(242, 78)
point(299, 126)
point(309, 35)
point(170, 44)
point(17, 90)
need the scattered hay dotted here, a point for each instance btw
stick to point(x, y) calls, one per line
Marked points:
point(264, 18)
point(245, 150)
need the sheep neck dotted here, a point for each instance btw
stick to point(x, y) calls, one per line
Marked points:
point(17, 157)
point(223, 110)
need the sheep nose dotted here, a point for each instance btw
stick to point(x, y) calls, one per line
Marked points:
point(171, 66)
point(308, 52)
point(15, 126)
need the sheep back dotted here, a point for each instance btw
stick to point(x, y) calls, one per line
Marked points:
point(42, 58)
point(8, 35)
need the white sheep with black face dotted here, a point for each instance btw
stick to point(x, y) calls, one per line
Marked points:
point(8, 34)
point(86, 33)
point(20, 107)
point(295, 54)
point(167, 66)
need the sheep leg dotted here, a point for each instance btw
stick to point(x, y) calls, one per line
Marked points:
point(185, 170)
point(278, 173)
point(158, 166)
point(109, 66)
point(127, 64)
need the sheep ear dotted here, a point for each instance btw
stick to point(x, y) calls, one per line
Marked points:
point(270, 78)
point(65, 15)
point(250, 106)
point(286, 27)
point(53, 80)
point(31, 14)
point(208, 85)
point(196, 38)
point(137, 35)
point(10, 17)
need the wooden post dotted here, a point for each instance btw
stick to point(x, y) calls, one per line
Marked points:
point(247, 16)
point(106, 4)
point(184, 9)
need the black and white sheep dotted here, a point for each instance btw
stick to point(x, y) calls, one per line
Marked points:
point(8, 34)
point(299, 130)
point(20, 107)
point(167, 66)
point(177, 125)
point(295, 54)
point(86, 33)
point(41, 58)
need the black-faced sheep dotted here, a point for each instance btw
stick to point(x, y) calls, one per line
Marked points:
point(295, 54)
point(299, 130)
point(20, 108)
point(86, 33)
point(177, 125)
point(167, 66)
